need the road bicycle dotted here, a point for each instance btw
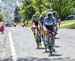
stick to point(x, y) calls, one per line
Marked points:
point(37, 37)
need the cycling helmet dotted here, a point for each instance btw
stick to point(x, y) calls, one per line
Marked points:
point(49, 14)
point(37, 14)
point(54, 13)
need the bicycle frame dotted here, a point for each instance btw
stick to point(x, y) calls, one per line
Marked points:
point(37, 37)
point(48, 43)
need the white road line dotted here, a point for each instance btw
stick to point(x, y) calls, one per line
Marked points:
point(13, 52)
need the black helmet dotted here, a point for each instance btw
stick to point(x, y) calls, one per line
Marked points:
point(54, 13)
point(49, 13)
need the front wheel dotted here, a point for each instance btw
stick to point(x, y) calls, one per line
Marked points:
point(45, 47)
point(38, 41)
point(49, 45)
point(37, 45)
point(50, 50)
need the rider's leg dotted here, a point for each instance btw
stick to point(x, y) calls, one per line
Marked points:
point(55, 30)
point(45, 35)
point(34, 31)
point(59, 25)
point(52, 39)
point(39, 34)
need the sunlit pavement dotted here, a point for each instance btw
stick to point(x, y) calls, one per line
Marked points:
point(4, 45)
point(25, 46)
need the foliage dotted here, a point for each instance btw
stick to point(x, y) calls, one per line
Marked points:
point(1, 16)
point(72, 26)
point(63, 7)
point(37, 13)
point(26, 10)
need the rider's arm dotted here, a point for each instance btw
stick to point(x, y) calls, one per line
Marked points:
point(54, 21)
point(44, 23)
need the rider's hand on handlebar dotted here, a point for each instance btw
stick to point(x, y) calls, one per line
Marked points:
point(49, 23)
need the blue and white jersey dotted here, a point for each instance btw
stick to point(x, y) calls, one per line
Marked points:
point(49, 21)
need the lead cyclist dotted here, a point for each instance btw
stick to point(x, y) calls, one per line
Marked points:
point(48, 24)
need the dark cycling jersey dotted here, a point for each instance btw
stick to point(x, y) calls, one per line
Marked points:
point(35, 20)
point(41, 20)
point(50, 27)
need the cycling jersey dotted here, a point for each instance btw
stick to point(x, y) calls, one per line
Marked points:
point(35, 20)
point(41, 20)
point(50, 22)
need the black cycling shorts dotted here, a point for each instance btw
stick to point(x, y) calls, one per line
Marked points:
point(36, 23)
point(50, 28)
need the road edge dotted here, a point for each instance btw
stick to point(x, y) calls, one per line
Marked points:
point(13, 52)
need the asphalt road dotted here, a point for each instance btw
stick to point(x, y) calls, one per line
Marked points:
point(24, 46)
point(4, 45)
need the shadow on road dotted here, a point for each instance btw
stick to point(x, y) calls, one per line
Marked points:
point(57, 38)
point(41, 48)
point(40, 59)
point(56, 55)
point(56, 46)
point(35, 59)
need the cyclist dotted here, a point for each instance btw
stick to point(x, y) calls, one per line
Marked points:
point(41, 19)
point(55, 17)
point(59, 21)
point(35, 25)
point(49, 24)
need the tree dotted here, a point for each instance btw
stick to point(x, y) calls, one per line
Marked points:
point(17, 17)
point(41, 5)
point(73, 7)
point(37, 4)
point(63, 7)
point(1, 16)
point(26, 10)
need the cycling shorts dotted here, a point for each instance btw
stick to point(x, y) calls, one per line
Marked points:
point(50, 28)
point(36, 23)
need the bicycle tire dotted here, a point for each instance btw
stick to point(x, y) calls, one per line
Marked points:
point(49, 46)
point(45, 47)
point(37, 39)
point(50, 50)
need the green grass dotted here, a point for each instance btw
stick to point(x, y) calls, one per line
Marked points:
point(63, 22)
point(72, 26)
point(67, 21)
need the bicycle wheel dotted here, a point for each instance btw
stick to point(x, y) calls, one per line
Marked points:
point(49, 45)
point(37, 39)
point(45, 44)
point(45, 47)
point(50, 50)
